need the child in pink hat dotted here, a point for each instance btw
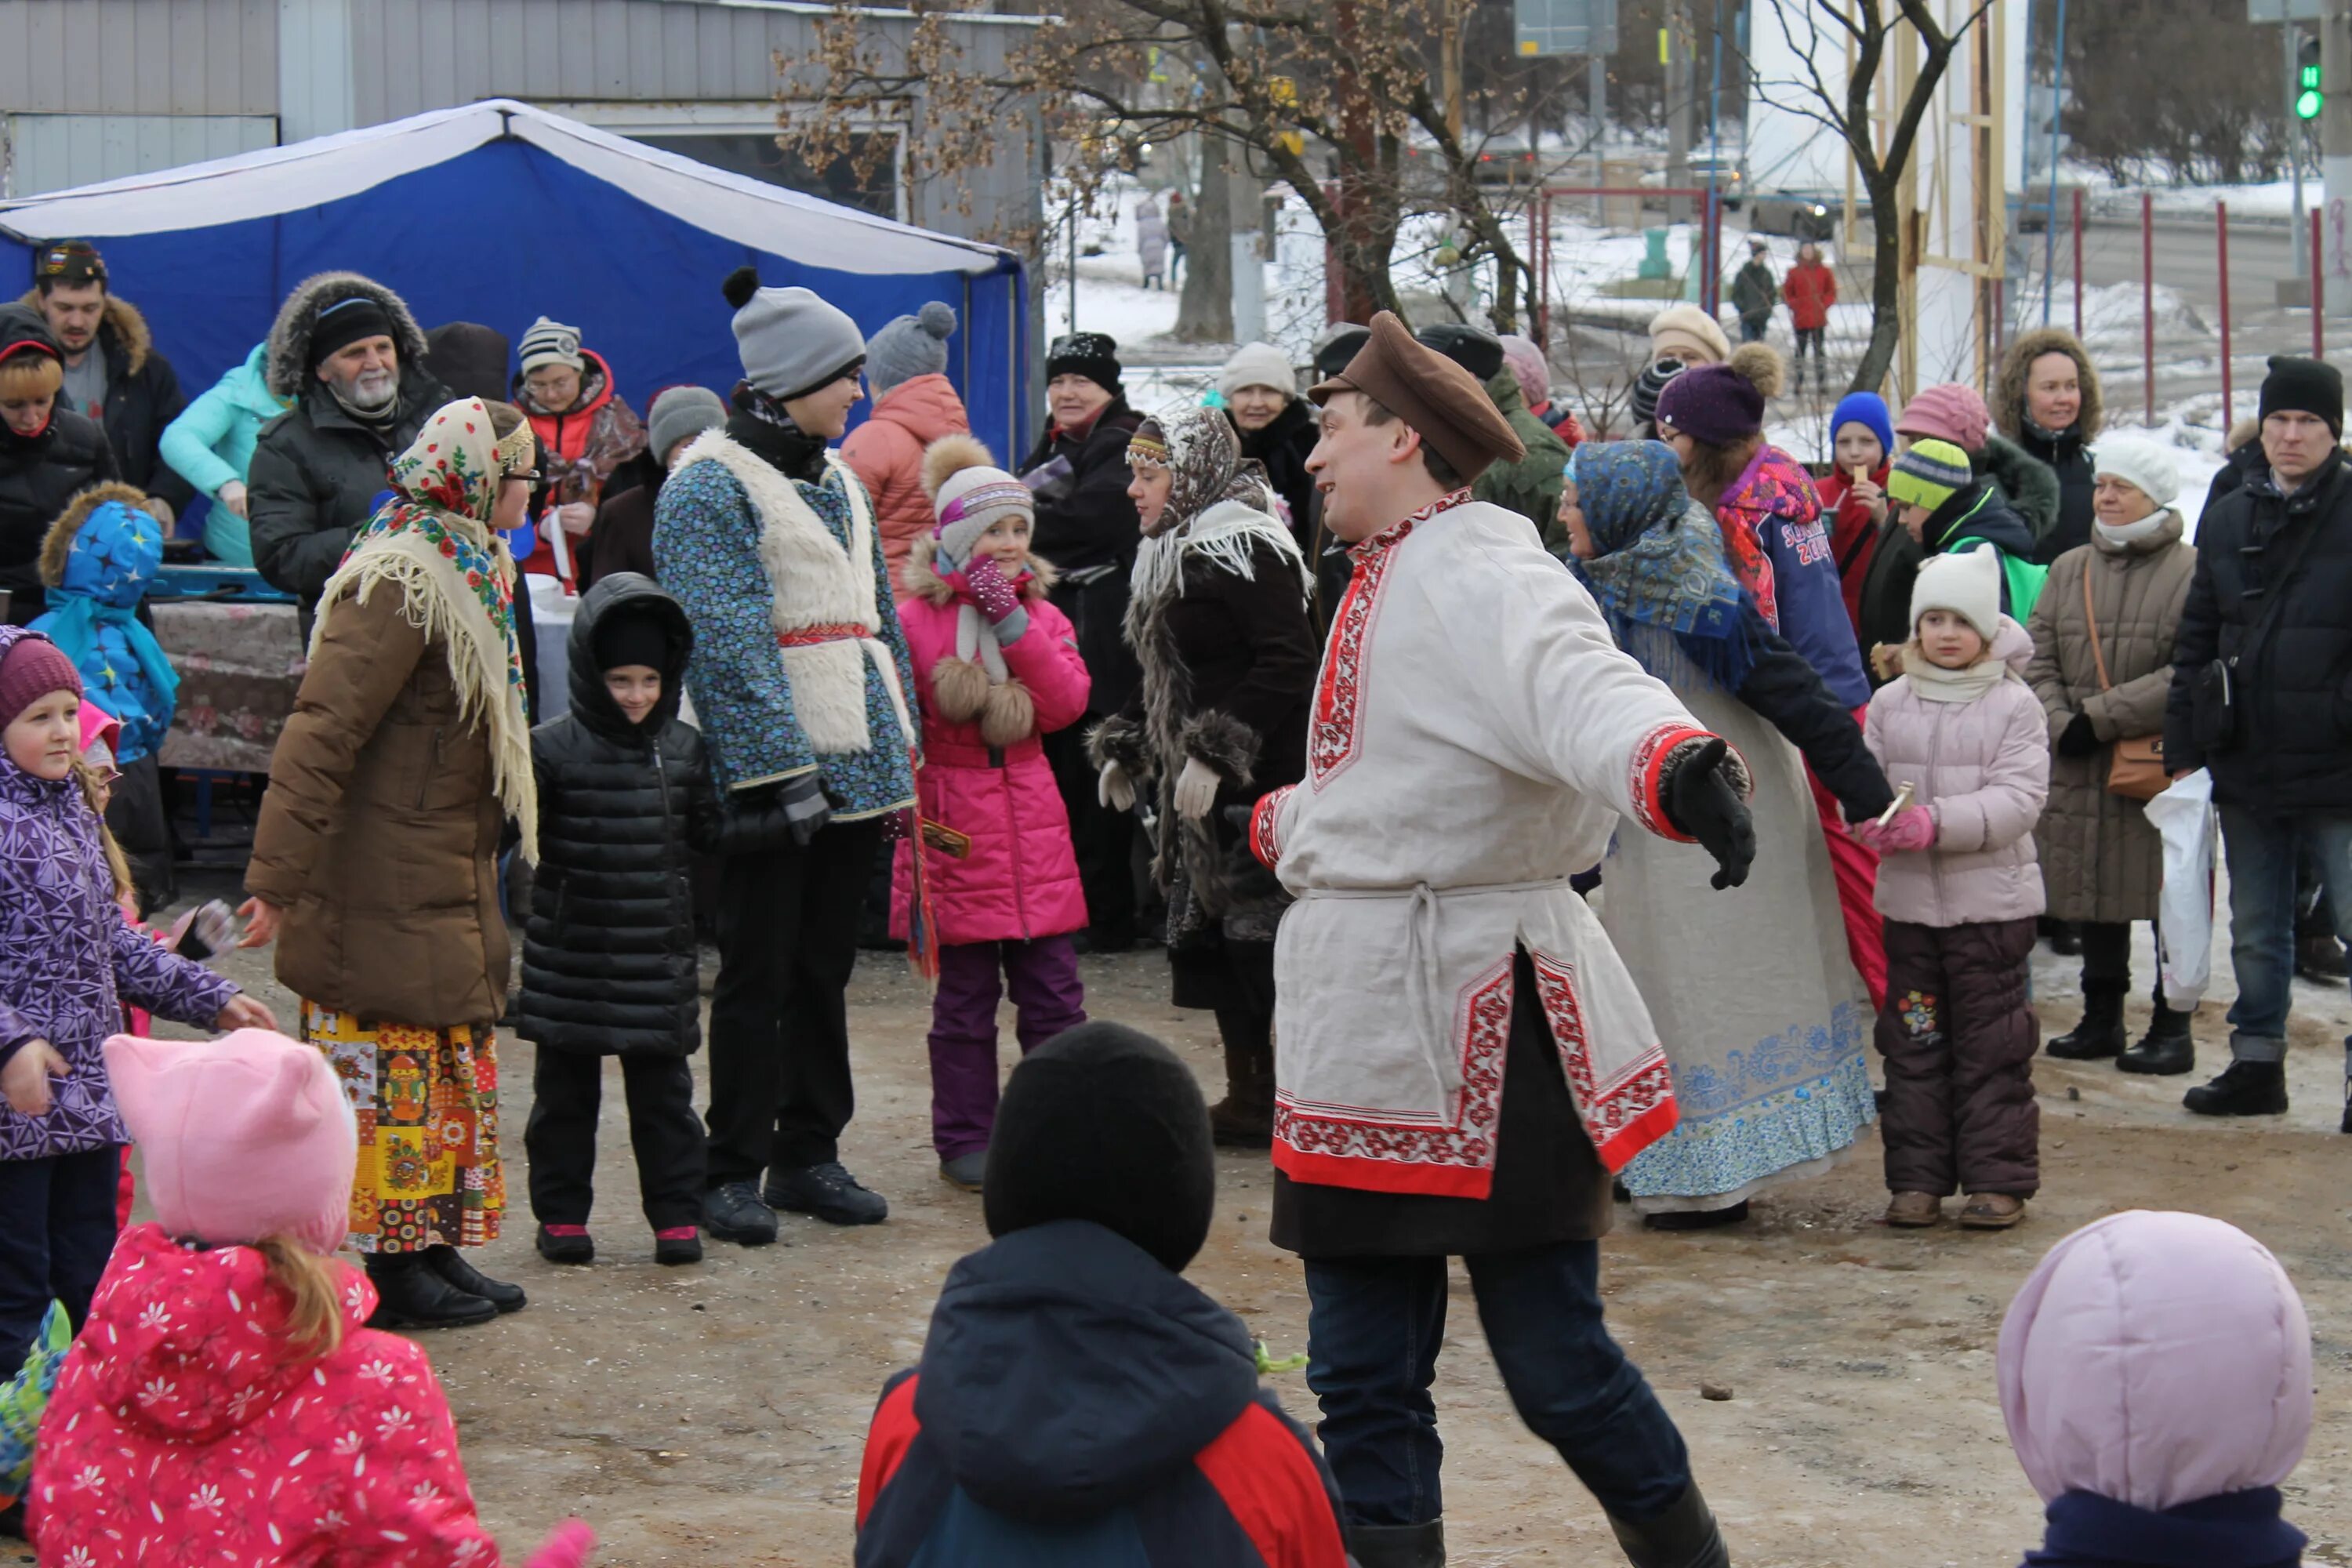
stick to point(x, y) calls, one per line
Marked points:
point(226, 1391)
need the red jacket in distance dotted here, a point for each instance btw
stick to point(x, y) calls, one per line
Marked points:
point(1810, 290)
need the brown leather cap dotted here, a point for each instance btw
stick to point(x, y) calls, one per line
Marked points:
point(1430, 393)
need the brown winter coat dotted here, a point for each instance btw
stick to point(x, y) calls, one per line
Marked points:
point(2101, 861)
point(379, 836)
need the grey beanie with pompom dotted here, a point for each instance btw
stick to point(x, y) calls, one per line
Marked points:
point(792, 340)
point(910, 346)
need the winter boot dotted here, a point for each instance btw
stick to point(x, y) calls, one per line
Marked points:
point(2319, 956)
point(2347, 1104)
point(566, 1244)
point(826, 1191)
point(451, 1265)
point(411, 1296)
point(1244, 1118)
point(2100, 1031)
point(2065, 939)
point(2165, 1049)
point(1398, 1545)
point(2244, 1089)
point(1684, 1536)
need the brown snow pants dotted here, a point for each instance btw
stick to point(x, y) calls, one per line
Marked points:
point(1958, 1037)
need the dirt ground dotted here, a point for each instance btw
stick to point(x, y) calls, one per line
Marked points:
point(715, 1416)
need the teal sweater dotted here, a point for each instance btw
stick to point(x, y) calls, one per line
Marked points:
point(211, 442)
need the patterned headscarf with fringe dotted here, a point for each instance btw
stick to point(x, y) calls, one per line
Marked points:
point(1198, 446)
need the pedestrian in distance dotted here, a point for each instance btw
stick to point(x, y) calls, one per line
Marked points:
point(2259, 699)
point(1152, 242)
point(227, 1400)
point(2103, 631)
point(609, 960)
point(1754, 291)
point(996, 891)
point(2155, 1372)
point(1078, 1403)
point(211, 444)
point(70, 957)
point(802, 687)
point(1810, 289)
point(374, 863)
point(48, 454)
point(1960, 889)
point(113, 375)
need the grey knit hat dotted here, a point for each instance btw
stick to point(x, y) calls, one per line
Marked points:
point(550, 343)
point(790, 340)
point(680, 414)
point(910, 346)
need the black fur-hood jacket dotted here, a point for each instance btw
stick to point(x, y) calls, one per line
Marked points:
point(289, 336)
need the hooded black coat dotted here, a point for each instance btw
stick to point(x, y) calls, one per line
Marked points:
point(608, 954)
point(1282, 447)
point(1086, 528)
point(39, 476)
point(1981, 511)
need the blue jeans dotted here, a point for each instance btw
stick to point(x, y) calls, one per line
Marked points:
point(1373, 1328)
point(2262, 852)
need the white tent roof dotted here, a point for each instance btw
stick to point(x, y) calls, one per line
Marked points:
point(751, 212)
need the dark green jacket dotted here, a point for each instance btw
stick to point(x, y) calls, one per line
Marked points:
point(1531, 486)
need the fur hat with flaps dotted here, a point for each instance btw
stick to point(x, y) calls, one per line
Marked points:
point(971, 495)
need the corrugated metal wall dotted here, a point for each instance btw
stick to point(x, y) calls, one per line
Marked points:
point(54, 151)
point(139, 56)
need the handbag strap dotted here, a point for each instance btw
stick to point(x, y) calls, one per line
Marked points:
point(2092, 615)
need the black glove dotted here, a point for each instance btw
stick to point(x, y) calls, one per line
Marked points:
point(1700, 801)
point(774, 816)
point(2078, 739)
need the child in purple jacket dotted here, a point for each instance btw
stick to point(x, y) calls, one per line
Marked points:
point(66, 955)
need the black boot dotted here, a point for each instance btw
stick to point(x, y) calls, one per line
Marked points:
point(411, 1296)
point(2065, 938)
point(1244, 1118)
point(2347, 1104)
point(1398, 1545)
point(2101, 1032)
point(2165, 1049)
point(451, 1265)
point(2319, 956)
point(1684, 1536)
point(2244, 1089)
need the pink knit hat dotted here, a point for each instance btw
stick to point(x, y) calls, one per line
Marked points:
point(1528, 368)
point(1951, 412)
point(244, 1137)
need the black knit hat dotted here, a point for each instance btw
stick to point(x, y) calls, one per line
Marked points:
point(1649, 385)
point(345, 322)
point(1103, 1123)
point(633, 635)
point(1094, 355)
point(1480, 354)
point(2305, 386)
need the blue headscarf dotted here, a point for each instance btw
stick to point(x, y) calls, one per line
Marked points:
point(1658, 561)
point(94, 616)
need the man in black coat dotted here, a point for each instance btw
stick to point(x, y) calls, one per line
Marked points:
point(113, 375)
point(2262, 697)
point(349, 353)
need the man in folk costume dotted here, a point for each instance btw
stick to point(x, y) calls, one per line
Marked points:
point(800, 677)
point(1461, 1059)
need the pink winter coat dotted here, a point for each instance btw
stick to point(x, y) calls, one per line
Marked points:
point(182, 1430)
point(1021, 879)
point(886, 455)
point(1984, 768)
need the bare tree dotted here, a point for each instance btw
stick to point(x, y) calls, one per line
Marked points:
point(1819, 29)
point(1341, 103)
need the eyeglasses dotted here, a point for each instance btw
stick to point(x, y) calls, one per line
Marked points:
point(529, 475)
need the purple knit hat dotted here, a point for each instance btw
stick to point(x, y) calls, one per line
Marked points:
point(32, 669)
point(1714, 404)
point(1951, 411)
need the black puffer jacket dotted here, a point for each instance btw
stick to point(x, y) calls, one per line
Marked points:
point(2291, 691)
point(142, 397)
point(608, 955)
point(38, 475)
point(2067, 456)
point(1087, 529)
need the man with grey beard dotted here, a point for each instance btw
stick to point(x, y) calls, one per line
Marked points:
point(348, 353)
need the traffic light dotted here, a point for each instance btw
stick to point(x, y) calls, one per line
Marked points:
point(2308, 99)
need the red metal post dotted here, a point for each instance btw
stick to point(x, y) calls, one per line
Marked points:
point(2148, 295)
point(2078, 262)
point(2221, 244)
point(2318, 292)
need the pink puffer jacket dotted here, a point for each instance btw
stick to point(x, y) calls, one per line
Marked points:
point(1021, 879)
point(1984, 768)
point(887, 454)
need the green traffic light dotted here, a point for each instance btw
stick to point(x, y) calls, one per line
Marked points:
point(2306, 104)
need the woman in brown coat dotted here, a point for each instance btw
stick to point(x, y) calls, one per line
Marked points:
point(2102, 863)
point(377, 849)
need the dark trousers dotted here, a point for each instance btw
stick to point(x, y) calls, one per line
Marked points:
point(135, 814)
point(1373, 1328)
point(779, 1087)
point(1958, 1036)
point(1103, 838)
point(57, 1231)
point(1809, 339)
point(2264, 853)
point(1043, 976)
point(2106, 960)
point(567, 1089)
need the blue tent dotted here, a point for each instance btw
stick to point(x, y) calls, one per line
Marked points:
point(499, 212)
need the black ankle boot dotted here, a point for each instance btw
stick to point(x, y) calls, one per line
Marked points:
point(1398, 1545)
point(2101, 1032)
point(2244, 1089)
point(2165, 1050)
point(1684, 1536)
point(411, 1296)
point(451, 1265)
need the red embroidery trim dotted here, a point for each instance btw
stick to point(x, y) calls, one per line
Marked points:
point(810, 637)
point(1649, 757)
point(1349, 1146)
point(1265, 834)
point(1333, 744)
point(1631, 1111)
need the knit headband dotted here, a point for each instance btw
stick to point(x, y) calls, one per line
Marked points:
point(986, 498)
point(1147, 448)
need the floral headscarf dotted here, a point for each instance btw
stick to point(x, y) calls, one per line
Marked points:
point(433, 542)
point(1199, 448)
point(1658, 558)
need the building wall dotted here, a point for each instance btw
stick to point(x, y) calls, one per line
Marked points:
point(139, 56)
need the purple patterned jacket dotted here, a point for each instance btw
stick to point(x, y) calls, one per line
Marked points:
point(65, 954)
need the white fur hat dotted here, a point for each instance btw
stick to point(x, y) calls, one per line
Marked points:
point(2139, 463)
point(1967, 582)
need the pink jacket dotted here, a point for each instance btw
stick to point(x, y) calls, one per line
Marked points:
point(183, 1431)
point(1021, 879)
point(887, 454)
point(1983, 769)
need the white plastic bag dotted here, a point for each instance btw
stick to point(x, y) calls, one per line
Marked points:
point(2183, 815)
point(551, 610)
